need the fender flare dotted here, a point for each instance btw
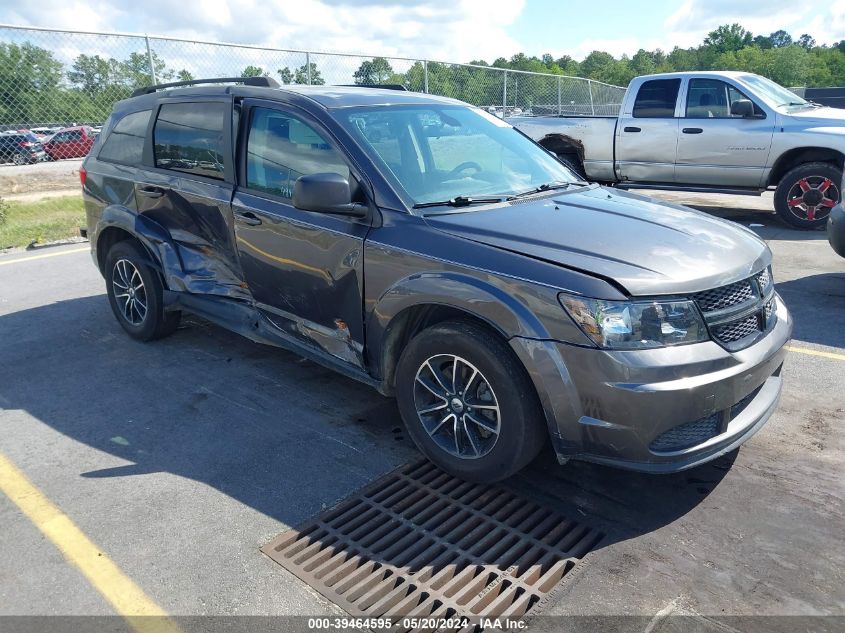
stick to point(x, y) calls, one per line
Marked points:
point(477, 298)
point(156, 240)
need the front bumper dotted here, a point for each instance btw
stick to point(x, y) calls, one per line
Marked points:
point(660, 410)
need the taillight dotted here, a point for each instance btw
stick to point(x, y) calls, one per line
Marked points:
point(82, 176)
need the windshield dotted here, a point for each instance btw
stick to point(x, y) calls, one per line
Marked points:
point(774, 94)
point(436, 153)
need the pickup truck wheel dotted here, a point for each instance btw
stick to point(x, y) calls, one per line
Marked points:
point(574, 165)
point(467, 402)
point(807, 193)
point(136, 294)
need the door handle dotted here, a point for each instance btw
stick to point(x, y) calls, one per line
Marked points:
point(151, 192)
point(249, 218)
point(632, 129)
point(692, 130)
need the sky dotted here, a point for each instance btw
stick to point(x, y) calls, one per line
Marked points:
point(457, 30)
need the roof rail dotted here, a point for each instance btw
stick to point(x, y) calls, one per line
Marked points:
point(382, 86)
point(264, 82)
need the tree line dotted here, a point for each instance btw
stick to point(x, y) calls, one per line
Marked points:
point(37, 88)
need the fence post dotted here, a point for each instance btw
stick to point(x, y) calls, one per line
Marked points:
point(559, 80)
point(425, 76)
point(308, 67)
point(150, 59)
point(505, 95)
point(590, 88)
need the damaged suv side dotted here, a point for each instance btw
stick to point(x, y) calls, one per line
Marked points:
point(428, 249)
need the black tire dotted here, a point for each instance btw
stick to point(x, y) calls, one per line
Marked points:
point(574, 164)
point(501, 380)
point(790, 206)
point(125, 259)
point(19, 159)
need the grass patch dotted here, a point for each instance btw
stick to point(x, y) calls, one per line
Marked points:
point(41, 221)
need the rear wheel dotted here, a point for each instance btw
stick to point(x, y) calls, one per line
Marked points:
point(807, 193)
point(19, 159)
point(468, 403)
point(136, 293)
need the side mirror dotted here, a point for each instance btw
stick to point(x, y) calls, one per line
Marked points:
point(326, 193)
point(743, 108)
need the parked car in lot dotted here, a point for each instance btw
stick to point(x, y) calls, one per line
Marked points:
point(71, 142)
point(836, 229)
point(21, 148)
point(731, 132)
point(453, 263)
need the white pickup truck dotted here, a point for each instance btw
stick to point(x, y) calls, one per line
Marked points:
point(728, 132)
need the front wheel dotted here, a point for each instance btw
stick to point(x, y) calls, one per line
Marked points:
point(468, 403)
point(807, 193)
point(136, 294)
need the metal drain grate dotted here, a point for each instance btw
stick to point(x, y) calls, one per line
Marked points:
point(420, 543)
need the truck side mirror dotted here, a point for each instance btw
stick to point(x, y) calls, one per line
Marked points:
point(326, 193)
point(743, 108)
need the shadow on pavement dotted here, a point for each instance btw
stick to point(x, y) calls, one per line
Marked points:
point(276, 433)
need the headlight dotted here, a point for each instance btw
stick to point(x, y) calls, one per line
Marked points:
point(636, 324)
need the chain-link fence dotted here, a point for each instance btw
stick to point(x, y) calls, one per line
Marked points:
point(58, 87)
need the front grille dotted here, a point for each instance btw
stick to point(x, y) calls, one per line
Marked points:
point(737, 313)
point(724, 297)
point(737, 330)
point(687, 435)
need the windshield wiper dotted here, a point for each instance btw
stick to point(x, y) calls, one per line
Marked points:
point(458, 201)
point(546, 186)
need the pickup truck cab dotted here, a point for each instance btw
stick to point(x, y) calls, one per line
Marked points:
point(731, 132)
point(426, 248)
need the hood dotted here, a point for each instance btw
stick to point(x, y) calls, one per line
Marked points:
point(823, 116)
point(647, 246)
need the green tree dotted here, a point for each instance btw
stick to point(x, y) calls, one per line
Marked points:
point(285, 75)
point(728, 37)
point(375, 71)
point(301, 76)
point(806, 41)
point(780, 39)
point(253, 71)
point(92, 73)
point(29, 83)
point(184, 75)
point(136, 69)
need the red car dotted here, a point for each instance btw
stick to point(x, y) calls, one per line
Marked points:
point(71, 142)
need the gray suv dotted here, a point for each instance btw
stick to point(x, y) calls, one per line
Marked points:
point(428, 249)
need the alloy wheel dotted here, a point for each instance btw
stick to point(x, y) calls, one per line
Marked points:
point(812, 198)
point(129, 291)
point(457, 406)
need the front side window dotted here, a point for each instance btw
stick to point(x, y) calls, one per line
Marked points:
point(125, 143)
point(281, 148)
point(440, 152)
point(188, 137)
point(656, 99)
point(712, 99)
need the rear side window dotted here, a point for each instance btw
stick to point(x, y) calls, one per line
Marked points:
point(656, 99)
point(281, 148)
point(188, 137)
point(125, 143)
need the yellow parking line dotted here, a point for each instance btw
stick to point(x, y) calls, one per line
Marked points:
point(127, 598)
point(42, 256)
point(815, 352)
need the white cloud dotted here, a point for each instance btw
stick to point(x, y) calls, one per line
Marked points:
point(458, 31)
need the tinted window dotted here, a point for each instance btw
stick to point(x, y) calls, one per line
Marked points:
point(74, 135)
point(188, 137)
point(125, 143)
point(712, 99)
point(281, 148)
point(656, 99)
